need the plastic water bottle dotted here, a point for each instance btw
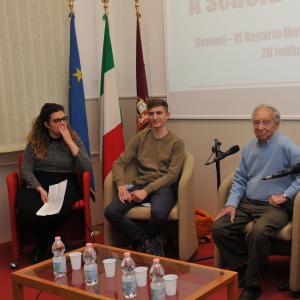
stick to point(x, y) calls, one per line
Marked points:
point(59, 260)
point(128, 277)
point(157, 286)
point(90, 267)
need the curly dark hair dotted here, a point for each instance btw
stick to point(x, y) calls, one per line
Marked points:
point(39, 134)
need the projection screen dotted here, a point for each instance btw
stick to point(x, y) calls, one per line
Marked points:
point(223, 57)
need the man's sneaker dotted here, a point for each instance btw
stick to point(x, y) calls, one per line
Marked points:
point(242, 277)
point(156, 246)
point(144, 247)
point(251, 293)
point(152, 246)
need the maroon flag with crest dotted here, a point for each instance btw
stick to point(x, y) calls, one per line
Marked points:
point(141, 82)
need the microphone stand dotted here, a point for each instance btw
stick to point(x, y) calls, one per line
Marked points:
point(216, 151)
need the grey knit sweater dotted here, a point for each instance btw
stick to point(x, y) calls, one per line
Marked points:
point(58, 159)
point(159, 160)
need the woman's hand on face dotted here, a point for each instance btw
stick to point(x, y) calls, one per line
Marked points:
point(43, 194)
point(65, 133)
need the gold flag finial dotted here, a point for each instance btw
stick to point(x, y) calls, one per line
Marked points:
point(137, 7)
point(105, 6)
point(71, 5)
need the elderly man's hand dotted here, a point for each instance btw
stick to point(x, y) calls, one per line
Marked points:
point(227, 210)
point(276, 200)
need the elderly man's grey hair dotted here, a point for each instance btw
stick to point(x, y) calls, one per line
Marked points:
point(275, 112)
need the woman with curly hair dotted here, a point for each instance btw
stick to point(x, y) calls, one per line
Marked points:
point(54, 153)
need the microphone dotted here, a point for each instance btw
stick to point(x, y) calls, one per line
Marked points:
point(291, 170)
point(230, 151)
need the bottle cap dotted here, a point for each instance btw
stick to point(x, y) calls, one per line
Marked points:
point(156, 260)
point(127, 254)
point(88, 245)
point(57, 238)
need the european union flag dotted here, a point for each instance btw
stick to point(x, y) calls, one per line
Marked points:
point(77, 111)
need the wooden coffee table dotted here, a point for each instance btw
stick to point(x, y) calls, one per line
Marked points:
point(194, 281)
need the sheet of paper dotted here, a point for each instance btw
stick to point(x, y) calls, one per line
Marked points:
point(128, 186)
point(56, 197)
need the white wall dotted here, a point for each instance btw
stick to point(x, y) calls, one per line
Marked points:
point(88, 24)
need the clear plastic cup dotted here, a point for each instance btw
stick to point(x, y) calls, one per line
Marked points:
point(75, 258)
point(141, 276)
point(170, 284)
point(109, 267)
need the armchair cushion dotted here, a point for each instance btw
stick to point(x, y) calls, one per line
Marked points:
point(143, 213)
point(284, 233)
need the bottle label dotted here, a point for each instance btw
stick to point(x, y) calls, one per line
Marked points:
point(91, 273)
point(157, 292)
point(59, 265)
point(129, 285)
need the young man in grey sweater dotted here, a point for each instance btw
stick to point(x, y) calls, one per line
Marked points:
point(160, 156)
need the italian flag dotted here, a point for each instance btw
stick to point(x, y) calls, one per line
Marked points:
point(113, 140)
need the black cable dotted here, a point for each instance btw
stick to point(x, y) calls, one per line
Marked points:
point(201, 259)
point(38, 295)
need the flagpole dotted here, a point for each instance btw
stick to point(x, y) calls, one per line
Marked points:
point(71, 6)
point(105, 6)
point(137, 8)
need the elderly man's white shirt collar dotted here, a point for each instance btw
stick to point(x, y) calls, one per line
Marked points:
point(261, 144)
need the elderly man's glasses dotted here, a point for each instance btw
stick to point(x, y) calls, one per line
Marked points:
point(63, 119)
point(263, 123)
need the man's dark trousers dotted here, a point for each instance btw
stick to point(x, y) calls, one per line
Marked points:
point(238, 249)
point(162, 201)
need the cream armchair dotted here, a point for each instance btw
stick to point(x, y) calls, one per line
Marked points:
point(286, 242)
point(182, 213)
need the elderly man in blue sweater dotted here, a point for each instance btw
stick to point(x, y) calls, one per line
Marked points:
point(268, 203)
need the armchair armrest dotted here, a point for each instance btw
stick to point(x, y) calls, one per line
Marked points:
point(111, 236)
point(186, 220)
point(224, 190)
point(109, 189)
point(86, 176)
point(223, 194)
point(12, 181)
point(295, 247)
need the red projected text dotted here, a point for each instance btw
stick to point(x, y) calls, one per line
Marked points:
point(195, 7)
